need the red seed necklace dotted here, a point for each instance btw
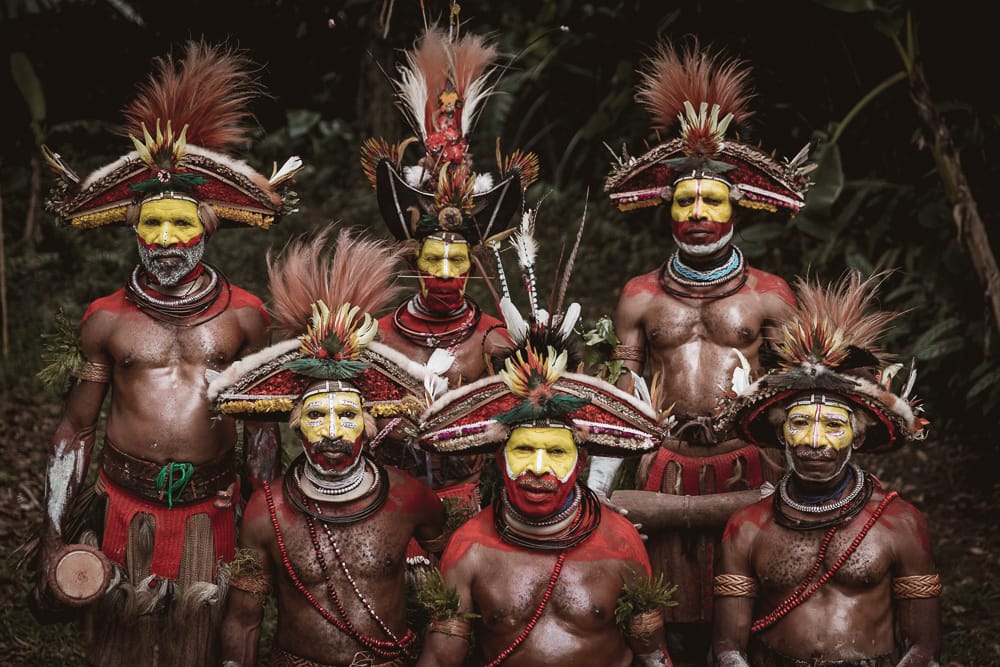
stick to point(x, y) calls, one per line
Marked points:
point(388, 649)
point(801, 594)
point(504, 654)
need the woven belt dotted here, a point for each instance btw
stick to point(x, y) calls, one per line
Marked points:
point(765, 656)
point(173, 483)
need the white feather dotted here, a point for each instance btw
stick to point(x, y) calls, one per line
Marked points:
point(517, 326)
point(569, 321)
point(482, 183)
point(910, 381)
point(412, 87)
point(415, 175)
point(440, 361)
point(475, 95)
point(741, 374)
point(524, 240)
point(289, 169)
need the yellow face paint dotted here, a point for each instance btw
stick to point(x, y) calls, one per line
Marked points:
point(444, 259)
point(541, 450)
point(332, 415)
point(817, 425)
point(167, 222)
point(701, 198)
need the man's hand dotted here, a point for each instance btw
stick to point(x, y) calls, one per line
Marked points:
point(224, 498)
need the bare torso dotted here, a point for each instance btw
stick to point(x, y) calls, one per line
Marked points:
point(505, 585)
point(159, 410)
point(689, 342)
point(373, 550)
point(852, 615)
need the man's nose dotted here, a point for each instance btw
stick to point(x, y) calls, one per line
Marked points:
point(168, 236)
point(541, 463)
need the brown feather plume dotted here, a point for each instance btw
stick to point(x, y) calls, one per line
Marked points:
point(674, 76)
point(358, 270)
point(829, 321)
point(209, 90)
point(430, 59)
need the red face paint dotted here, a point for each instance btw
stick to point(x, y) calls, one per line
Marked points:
point(442, 295)
point(700, 232)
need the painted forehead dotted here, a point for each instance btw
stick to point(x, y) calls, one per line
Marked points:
point(346, 398)
point(692, 185)
point(541, 436)
point(827, 411)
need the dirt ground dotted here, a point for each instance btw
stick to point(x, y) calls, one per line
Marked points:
point(954, 484)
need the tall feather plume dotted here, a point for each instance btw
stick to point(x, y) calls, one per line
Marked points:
point(830, 322)
point(425, 72)
point(209, 90)
point(359, 271)
point(568, 271)
point(673, 77)
point(470, 59)
point(526, 246)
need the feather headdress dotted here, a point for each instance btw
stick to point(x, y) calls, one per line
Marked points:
point(326, 300)
point(441, 90)
point(185, 124)
point(534, 386)
point(830, 345)
point(702, 96)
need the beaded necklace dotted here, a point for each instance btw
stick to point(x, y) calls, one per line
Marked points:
point(691, 277)
point(351, 481)
point(804, 591)
point(738, 280)
point(829, 507)
point(179, 310)
point(291, 484)
point(455, 330)
point(846, 513)
point(388, 649)
point(580, 528)
point(504, 654)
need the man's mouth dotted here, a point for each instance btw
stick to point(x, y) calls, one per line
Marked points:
point(537, 485)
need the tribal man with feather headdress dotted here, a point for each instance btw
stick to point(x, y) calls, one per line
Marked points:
point(546, 575)
point(168, 468)
point(331, 540)
point(443, 212)
point(822, 573)
point(702, 313)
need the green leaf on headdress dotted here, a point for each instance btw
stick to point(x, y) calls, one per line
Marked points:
point(175, 182)
point(326, 369)
point(554, 407)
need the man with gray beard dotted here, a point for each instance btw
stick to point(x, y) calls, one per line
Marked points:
point(168, 471)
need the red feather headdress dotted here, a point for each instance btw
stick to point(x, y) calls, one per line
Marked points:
point(702, 95)
point(441, 90)
point(186, 122)
point(829, 345)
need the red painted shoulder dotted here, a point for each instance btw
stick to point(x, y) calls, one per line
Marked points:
point(114, 303)
point(763, 282)
point(754, 516)
point(647, 283)
point(408, 494)
point(616, 538)
point(244, 299)
point(477, 530)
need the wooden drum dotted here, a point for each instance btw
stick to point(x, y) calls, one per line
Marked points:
point(80, 575)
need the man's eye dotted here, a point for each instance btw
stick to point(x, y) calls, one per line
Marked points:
point(349, 414)
point(712, 202)
point(685, 201)
point(314, 414)
point(800, 422)
point(524, 449)
point(151, 222)
point(556, 452)
point(182, 223)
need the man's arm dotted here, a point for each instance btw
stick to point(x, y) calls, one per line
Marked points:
point(918, 601)
point(71, 449)
point(261, 440)
point(631, 351)
point(447, 643)
point(646, 637)
point(733, 612)
point(430, 527)
point(250, 585)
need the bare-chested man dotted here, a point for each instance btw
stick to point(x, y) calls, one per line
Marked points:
point(332, 542)
point(823, 574)
point(168, 466)
point(443, 212)
point(694, 320)
point(542, 569)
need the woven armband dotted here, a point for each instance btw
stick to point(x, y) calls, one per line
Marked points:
point(628, 353)
point(645, 624)
point(92, 372)
point(917, 587)
point(734, 586)
point(454, 626)
point(258, 584)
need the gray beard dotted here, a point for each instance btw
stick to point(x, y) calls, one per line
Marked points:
point(170, 276)
point(693, 250)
